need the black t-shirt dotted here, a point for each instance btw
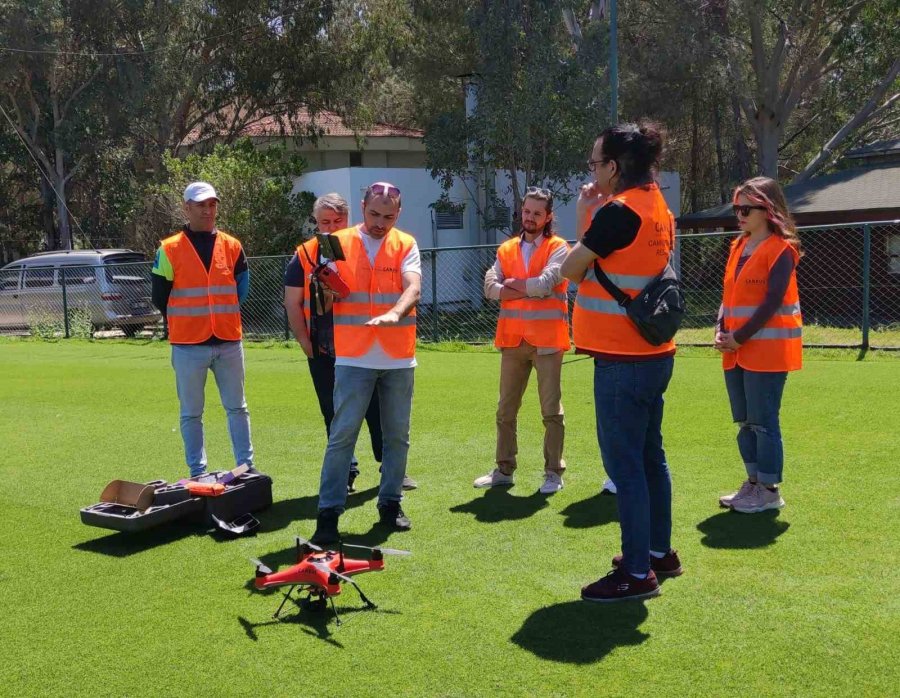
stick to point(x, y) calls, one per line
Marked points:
point(614, 227)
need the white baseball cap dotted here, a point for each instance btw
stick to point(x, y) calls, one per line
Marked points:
point(199, 191)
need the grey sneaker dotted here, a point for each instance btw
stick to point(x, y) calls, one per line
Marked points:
point(409, 483)
point(761, 499)
point(745, 489)
point(493, 478)
point(553, 483)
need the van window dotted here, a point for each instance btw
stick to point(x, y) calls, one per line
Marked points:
point(77, 274)
point(9, 279)
point(127, 269)
point(38, 277)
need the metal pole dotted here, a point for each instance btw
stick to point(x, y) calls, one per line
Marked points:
point(436, 328)
point(62, 281)
point(284, 310)
point(614, 61)
point(866, 285)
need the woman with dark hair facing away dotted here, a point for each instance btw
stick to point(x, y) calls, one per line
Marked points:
point(625, 228)
point(759, 333)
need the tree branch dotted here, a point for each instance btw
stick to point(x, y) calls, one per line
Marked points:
point(858, 119)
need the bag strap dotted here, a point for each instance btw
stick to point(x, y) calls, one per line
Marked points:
point(622, 298)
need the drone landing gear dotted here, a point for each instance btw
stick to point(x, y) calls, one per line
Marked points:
point(317, 603)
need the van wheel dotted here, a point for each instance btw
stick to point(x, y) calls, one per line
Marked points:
point(131, 330)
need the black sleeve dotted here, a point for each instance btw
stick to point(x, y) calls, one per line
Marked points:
point(240, 265)
point(779, 278)
point(614, 227)
point(293, 275)
point(160, 288)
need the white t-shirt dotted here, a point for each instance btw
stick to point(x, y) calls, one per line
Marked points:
point(376, 358)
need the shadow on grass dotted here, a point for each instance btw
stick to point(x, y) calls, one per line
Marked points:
point(124, 543)
point(288, 511)
point(497, 504)
point(731, 529)
point(319, 624)
point(580, 632)
point(593, 511)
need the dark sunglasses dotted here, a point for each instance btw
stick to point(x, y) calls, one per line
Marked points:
point(388, 190)
point(744, 211)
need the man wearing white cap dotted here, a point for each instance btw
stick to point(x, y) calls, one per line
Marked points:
point(200, 277)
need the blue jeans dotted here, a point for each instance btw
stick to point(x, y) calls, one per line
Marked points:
point(191, 363)
point(628, 399)
point(353, 389)
point(755, 398)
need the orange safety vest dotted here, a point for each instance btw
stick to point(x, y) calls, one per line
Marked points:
point(203, 303)
point(311, 248)
point(542, 322)
point(374, 290)
point(599, 323)
point(778, 346)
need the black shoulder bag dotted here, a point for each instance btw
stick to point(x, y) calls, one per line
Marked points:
point(657, 311)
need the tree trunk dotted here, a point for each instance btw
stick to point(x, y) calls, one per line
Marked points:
point(741, 168)
point(768, 135)
point(720, 162)
point(48, 204)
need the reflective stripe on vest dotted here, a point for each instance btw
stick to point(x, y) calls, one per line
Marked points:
point(203, 303)
point(540, 321)
point(360, 320)
point(748, 310)
point(599, 323)
point(777, 346)
point(374, 290)
point(200, 291)
point(203, 310)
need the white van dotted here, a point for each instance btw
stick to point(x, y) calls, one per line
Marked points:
point(110, 287)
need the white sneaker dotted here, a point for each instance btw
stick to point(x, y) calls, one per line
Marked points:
point(745, 490)
point(553, 483)
point(493, 478)
point(760, 499)
point(608, 486)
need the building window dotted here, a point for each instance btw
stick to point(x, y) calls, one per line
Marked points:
point(448, 220)
point(893, 253)
point(355, 159)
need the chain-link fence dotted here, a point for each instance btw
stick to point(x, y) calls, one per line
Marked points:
point(849, 284)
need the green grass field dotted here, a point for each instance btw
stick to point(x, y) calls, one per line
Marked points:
point(802, 603)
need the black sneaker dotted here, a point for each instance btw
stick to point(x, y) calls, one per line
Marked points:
point(618, 585)
point(351, 478)
point(667, 566)
point(390, 514)
point(326, 528)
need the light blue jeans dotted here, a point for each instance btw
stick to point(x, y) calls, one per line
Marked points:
point(755, 398)
point(191, 363)
point(353, 389)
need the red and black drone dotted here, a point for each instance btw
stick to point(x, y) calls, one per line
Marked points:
point(320, 573)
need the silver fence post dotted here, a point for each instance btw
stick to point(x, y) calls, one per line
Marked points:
point(284, 310)
point(65, 295)
point(866, 281)
point(436, 328)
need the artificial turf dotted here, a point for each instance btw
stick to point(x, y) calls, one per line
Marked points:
point(799, 603)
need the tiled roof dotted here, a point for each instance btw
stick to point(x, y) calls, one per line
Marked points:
point(328, 123)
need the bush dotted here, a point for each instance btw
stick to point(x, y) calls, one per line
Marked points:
point(255, 189)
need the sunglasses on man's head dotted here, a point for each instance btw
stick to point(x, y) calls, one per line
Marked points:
point(744, 209)
point(383, 189)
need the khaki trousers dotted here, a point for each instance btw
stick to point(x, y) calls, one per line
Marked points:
point(515, 370)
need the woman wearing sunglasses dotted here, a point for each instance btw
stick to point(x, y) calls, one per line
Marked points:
point(759, 334)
